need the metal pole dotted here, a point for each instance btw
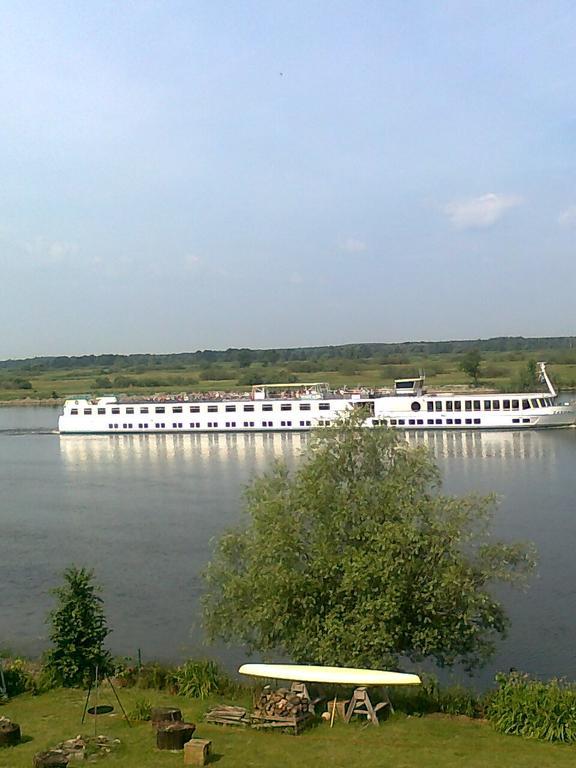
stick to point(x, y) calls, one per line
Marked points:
point(96, 705)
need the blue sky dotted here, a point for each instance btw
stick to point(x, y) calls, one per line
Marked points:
point(206, 174)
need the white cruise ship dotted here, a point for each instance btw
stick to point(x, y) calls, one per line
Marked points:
point(301, 407)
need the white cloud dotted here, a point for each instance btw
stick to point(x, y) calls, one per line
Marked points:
point(568, 217)
point(296, 278)
point(51, 251)
point(353, 245)
point(191, 261)
point(480, 212)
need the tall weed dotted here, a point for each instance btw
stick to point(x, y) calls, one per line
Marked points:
point(534, 709)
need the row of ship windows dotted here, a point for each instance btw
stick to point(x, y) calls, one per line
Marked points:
point(247, 408)
point(435, 422)
point(484, 405)
point(210, 425)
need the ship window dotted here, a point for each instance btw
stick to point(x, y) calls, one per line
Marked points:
point(515, 405)
point(411, 421)
point(393, 422)
point(174, 426)
point(419, 421)
point(227, 423)
point(145, 426)
point(449, 405)
point(230, 408)
point(401, 421)
point(115, 410)
point(124, 426)
point(525, 421)
point(282, 423)
point(429, 421)
point(525, 403)
point(248, 407)
point(506, 405)
point(542, 402)
point(267, 407)
point(177, 409)
point(515, 421)
point(304, 406)
point(144, 409)
point(194, 409)
point(457, 405)
point(129, 410)
point(324, 406)
point(212, 409)
point(87, 411)
point(534, 402)
point(101, 411)
point(287, 407)
point(160, 409)
point(115, 426)
point(487, 405)
point(74, 412)
point(467, 405)
point(415, 406)
point(301, 423)
point(476, 405)
point(476, 421)
point(430, 406)
point(468, 421)
point(438, 421)
point(449, 421)
point(457, 421)
point(110, 426)
point(308, 423)
point(438, 405)
point(496, 405)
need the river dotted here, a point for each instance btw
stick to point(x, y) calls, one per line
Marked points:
point(143, 511)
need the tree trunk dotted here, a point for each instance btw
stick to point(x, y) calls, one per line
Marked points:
point(165, 715)
point(174, 735)
point(9, 735)
point(50, 759)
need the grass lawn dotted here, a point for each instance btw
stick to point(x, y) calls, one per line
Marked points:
point(400, 742)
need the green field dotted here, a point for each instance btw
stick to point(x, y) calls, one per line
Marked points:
point(499, 370)
point(403, 742)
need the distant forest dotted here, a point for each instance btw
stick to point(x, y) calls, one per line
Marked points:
point(245, 357)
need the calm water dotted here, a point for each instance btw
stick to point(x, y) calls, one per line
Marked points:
point(143, 512)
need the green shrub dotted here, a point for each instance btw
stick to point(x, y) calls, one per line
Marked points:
point(535, 709)
point(199, 679)
point(430, 697)
point(142, 710)
point(23, 676)
point(155, 675)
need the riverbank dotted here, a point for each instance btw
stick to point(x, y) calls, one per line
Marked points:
point(431, 741)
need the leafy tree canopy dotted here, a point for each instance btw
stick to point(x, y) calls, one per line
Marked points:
point(470, 364)
point(78, 630)
point(356, 558)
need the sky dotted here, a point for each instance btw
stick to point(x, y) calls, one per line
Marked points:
point(181, 175)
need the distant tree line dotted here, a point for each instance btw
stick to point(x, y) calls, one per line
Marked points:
point(243, 357)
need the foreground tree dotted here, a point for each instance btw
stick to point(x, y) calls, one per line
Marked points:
point(357, 559)
point(78, 630)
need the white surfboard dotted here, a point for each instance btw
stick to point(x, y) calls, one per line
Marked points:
point(343, 675)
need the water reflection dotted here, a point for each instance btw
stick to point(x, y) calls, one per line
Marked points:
point(83, 452)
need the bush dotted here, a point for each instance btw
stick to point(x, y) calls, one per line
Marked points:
point(430, 697)
point(200, 679)
point(23, 676)
point(535, 709)
point(142, 710)
point(155, 675)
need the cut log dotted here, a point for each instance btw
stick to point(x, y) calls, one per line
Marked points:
point(9, 734)
point(165, 715)
point(174, 735)
point(51, 759)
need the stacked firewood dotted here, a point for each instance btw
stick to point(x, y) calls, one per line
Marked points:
point(280, 703)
